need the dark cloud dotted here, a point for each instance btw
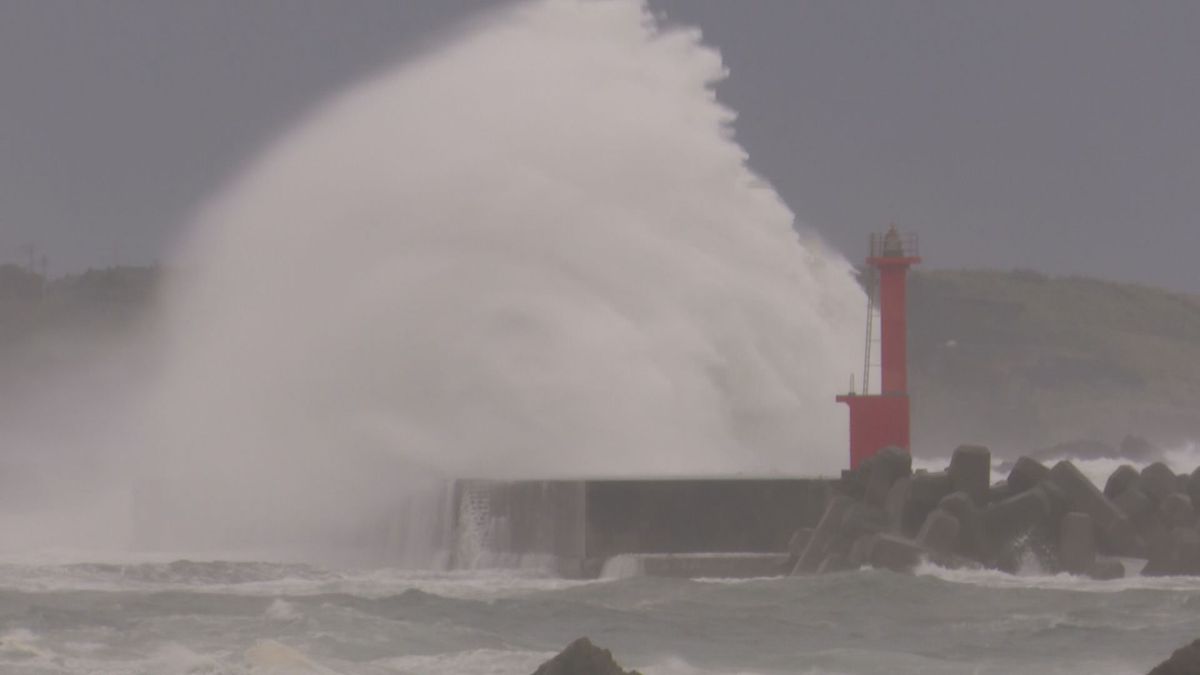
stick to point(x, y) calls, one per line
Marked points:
point(1060, 136)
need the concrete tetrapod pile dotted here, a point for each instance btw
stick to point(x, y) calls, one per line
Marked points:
point(886, 516)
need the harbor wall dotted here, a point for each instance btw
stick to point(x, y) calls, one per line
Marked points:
point(577, 525)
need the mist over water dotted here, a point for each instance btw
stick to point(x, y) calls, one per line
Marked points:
point(536, 251)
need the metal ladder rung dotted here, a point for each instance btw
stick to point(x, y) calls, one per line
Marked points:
point(872, 282)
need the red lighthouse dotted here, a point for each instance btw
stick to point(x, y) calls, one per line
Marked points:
point(881, 420)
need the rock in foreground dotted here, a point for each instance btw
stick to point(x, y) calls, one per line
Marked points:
point(1184, 661)
point(581, 657)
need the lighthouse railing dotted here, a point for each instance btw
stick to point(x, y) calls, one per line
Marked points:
point(883, 244)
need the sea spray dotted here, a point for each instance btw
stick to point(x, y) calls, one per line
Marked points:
point(536, 251)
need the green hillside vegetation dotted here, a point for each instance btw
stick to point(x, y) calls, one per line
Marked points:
point(74, 322)
point(1017, 360)
point(1023, 361)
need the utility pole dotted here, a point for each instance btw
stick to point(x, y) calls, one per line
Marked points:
point(31, 256)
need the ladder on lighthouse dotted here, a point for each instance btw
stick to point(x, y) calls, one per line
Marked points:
point(872, 286)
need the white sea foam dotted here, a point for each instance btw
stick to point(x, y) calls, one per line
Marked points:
point(20, 643)
point(173, 659)
point(621, 567)
point(674, 665)
point(269, 657)
point(276, 580)
point(502, 662)
point(469, 662)
point(1063, 581)
point(282, 610)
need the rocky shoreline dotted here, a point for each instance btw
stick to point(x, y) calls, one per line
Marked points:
point(886, 515)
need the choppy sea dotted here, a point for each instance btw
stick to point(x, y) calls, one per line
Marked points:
point(65, 614)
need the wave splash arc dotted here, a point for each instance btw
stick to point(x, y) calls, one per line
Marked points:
point(535, 251)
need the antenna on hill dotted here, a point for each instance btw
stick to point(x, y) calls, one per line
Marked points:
point(36, 265)
point(30, 252)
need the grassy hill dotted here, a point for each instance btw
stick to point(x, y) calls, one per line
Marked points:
point(1021, 361)
point(69, 347)
point(1017, 360)
point(39, 316)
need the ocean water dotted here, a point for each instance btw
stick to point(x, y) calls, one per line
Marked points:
point(69, 615)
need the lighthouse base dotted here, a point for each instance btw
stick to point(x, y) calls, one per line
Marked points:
point(876, 422)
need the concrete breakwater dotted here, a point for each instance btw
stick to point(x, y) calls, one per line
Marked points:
point(887, 516)
point(683, 527)
point(1051, 518)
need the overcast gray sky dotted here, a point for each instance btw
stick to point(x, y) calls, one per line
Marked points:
point(1056, 135)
